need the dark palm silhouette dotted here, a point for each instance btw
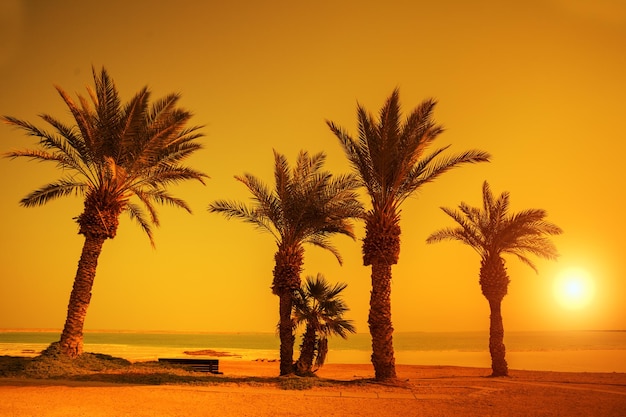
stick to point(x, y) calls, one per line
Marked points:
point(318, 306)
point(492, 231)
point(307, 206)
point(113, 154)
point(389, 158)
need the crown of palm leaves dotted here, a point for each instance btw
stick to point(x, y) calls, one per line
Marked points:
point(492, 230)
point(307, 204)
point(116, 150)
point(390, 153)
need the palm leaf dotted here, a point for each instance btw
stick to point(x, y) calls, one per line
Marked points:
point(60, 188)
point(136, 213)
point(85, 124)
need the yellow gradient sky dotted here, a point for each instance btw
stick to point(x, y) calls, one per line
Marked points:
point(540, 84)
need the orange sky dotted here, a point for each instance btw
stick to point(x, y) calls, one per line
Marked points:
point(539, 84)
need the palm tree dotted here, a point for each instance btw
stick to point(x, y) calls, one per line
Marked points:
point(307, 206)
point(389, 159)
point(493, 232)
point(112, 154)
point(320, 308)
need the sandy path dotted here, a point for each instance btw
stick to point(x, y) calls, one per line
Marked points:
point(426, 391)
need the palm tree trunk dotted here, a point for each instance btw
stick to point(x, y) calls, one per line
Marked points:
point(496, 340)
point(288, 266)
point(285, 330)
point(304, 365)
point(494, 283)
point(381, 327)
point(381, 249)
point(71, 343)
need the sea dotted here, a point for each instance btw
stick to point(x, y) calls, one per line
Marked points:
point(569, 351)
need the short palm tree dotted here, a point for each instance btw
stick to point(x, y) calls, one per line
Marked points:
point(492, 231)
point(319, 307)
point(389, 158)
point(113, 153)
point(307, 206)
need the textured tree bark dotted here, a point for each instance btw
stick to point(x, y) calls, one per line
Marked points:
point(285, 330)
point(287, 269)
point(494, 283)
point(381, 250)
point(304, 365)
point(71, 342)
point(381, 328)
point(497, 350)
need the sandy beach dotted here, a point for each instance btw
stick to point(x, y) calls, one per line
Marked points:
point(250, 389)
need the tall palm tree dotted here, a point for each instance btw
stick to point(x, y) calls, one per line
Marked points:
point(114, 152)
point(389, 158)
point(492, 232)
point(319, 307)
point(307, 206)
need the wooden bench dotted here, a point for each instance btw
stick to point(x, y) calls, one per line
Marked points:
point(200, 365)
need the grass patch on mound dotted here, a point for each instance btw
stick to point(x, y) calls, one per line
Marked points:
point(298, 383)
point(96, 367)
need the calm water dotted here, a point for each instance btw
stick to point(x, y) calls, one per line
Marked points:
point(591, 351)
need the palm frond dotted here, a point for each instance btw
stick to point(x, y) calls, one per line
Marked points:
point(147, 201)
point(161, 109)
point(357, 156)
point(76, 149)
point(282, 177)
point(324, 243)
point(60, 188)
point(85, 122)
point(108, 109)
point(175, 155)
point(488, 201)
point(467, 232)
point(165, 175)
point(161, 196)
point(42, 156)
point(419, 131)
point(136, 213)
point(237, 210)
point(149, 152)
point(417, 175)
point(446, 163)
point(132, 123)
point(62, 149)
point(266, 204)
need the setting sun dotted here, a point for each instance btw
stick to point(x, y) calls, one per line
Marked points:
point(574, 288)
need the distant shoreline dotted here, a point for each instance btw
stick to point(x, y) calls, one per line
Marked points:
point(565, 350)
